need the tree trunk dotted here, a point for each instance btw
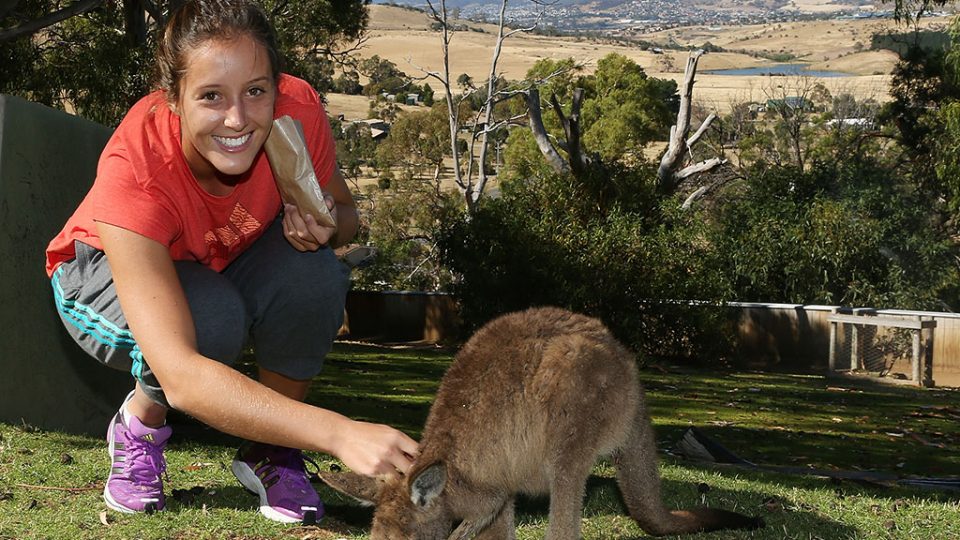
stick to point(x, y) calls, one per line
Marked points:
point(671, 171)
point(31, 27)
point(553, 157)
point(135, 23)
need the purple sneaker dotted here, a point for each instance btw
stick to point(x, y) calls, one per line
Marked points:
point(136, 451)
point(278, 476)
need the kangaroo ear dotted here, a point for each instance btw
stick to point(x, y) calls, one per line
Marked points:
point(362, 488)
point(426, 483)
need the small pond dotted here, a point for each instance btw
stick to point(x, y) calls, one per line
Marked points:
point(777, 69)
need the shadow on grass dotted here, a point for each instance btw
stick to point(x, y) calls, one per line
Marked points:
point(799, 420)
point(602, 499)
point(231, 496)
point(236, 497)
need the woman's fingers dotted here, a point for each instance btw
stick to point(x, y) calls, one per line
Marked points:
point(300, 232)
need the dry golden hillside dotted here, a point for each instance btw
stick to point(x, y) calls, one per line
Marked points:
point(404, 37)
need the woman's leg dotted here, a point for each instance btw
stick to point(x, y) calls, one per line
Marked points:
point(292, 388)
point(87, 302)
point(296, 301)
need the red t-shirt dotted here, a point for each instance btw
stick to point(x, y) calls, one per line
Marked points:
point(145, 185)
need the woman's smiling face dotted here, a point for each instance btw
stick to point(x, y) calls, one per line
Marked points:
point(225, 107)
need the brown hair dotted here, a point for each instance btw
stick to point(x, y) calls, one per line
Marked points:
point(198, 21)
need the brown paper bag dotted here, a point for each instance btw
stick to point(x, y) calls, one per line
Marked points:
point(293, 170)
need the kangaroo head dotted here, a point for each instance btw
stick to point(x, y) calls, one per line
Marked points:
point(408, 508)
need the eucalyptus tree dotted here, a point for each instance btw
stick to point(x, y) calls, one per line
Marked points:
point(95, 56)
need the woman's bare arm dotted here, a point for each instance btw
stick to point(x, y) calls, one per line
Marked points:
point(159, 317)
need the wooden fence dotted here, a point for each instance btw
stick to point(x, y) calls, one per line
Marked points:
point(780, 336)
point(798, 336)
point(401, 316)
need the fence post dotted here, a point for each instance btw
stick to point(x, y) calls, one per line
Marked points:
point(832, 365)
point(926, 354)
point(854, 347)
point(915, 362)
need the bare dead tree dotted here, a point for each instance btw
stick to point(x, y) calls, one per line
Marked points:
point(489, 125)
point(441, 16)
point(577, 160)
point(485, 123)
point(540, 135)
point(676, 164)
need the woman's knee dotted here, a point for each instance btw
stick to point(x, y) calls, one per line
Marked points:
point(317, 279)
point(220, 315)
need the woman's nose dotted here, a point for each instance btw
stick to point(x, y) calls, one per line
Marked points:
point(236, 117)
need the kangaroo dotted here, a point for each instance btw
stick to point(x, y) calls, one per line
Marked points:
point(528, 405)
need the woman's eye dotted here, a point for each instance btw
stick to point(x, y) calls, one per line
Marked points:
point(209, 96)
point(256, 91)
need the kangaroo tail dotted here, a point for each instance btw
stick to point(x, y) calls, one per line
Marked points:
point(639, 479)
point(710, 519)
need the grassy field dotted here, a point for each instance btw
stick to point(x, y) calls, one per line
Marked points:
point(51, 483)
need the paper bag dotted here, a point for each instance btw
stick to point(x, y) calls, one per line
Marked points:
point(293, 170)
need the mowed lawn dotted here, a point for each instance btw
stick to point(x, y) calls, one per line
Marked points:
point(51, 483)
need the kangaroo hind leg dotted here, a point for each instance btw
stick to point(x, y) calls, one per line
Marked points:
point(567, 484)
point(502, 527)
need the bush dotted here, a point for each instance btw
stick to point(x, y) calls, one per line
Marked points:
point(851, 235)
point(601, 247)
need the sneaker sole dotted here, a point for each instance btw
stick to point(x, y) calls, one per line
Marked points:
point(151, 507)
point(107, 498)
point(114, 505)
point(249, 480)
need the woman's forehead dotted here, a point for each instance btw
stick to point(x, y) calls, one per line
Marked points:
point(220, 61)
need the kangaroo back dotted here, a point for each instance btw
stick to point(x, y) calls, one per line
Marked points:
point(527, 386)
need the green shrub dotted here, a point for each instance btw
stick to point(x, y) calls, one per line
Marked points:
point(854, 235)
point(597, 245)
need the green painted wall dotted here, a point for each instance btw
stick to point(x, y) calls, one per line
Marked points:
point(48, 160)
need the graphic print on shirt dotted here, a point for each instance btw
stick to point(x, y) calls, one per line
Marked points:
point(222, 241)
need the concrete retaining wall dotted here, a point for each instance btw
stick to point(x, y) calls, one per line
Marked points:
point(47, 163)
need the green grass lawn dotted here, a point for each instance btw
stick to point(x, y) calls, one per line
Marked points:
point(51, 483)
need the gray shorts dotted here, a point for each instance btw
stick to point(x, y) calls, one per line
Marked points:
point(290, 303)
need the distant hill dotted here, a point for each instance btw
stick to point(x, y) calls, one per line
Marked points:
point(852, 45)
point(615, 15)
point(600, 7)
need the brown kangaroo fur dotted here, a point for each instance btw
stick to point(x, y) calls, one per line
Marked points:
point(530, 403)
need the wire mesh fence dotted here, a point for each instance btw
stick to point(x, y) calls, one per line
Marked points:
point(882, 346)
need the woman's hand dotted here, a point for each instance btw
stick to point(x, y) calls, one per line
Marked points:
point(303, 232)
point(376, 449)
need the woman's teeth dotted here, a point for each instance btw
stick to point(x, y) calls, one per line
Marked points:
point(233, 142)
